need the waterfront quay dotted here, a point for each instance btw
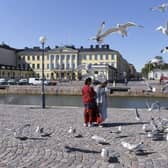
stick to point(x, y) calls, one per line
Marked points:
point(133, 88)
point(61, 149)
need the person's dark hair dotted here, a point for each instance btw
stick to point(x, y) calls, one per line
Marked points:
point(88, 80)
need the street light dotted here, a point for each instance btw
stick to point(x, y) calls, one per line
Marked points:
point(42, 40)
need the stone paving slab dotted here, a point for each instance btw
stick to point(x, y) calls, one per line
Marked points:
point(64, 150)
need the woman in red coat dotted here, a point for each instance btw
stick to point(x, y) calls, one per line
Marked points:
point(88, 97)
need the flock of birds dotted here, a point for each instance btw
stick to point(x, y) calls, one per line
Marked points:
point(123, 28)
point(156, 129)
point(120, 28)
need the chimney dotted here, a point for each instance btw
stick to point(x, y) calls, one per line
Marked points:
point(97, 46)
point(91, 46)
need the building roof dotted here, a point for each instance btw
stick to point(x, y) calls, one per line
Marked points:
point(97, 48)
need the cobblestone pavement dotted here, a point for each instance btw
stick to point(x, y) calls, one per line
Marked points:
point(64, 150)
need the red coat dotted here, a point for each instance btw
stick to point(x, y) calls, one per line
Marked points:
point(88, 94)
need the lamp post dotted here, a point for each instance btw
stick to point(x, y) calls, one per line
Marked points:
point(42, 40)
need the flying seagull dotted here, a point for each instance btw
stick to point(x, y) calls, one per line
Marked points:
point(122, 28)
point(161, 8)
point(99, 38)
point(153, 105)
point(163, 29)
point(164, 50)
point(137, 114)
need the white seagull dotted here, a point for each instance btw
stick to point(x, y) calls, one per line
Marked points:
point(98, 139)
point(133, 147)
point(122, 28)
point(164, 50)
point(153, 105)
point(137, 114)
point(99, 38)
point(119, 129)
point(163, 29)
point(161, 8)
point(105, 154)
point(71, 130)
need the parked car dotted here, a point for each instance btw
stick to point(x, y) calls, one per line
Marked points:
point(163, 79)
point(3, 81)
point(11, 82)
point(34, 81)
point(23, 82)
point(50, 82)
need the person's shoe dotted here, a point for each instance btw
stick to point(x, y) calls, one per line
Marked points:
point(90, 125)
point(85, 125)
point(101, 126)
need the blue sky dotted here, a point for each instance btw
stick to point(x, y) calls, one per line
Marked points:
point(74, 21)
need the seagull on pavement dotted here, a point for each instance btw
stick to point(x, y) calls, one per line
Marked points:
point(71, 130)
point(119, 129)
point(161, 8)
point(98, 139)
point(163, 29)
point(133, 147)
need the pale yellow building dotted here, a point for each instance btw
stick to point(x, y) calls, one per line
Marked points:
point(103, 55)
point(60, 63)
point(8, 67)
point(32, 58)
point(63, 61)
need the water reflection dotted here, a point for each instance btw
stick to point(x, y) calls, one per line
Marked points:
point(116, 102)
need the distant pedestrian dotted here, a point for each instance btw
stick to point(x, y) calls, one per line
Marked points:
point(125, 81)
point(88, 97)
point(101, 94)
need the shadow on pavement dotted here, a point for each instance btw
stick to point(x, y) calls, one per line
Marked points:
point(72, 149)
point(123, 124)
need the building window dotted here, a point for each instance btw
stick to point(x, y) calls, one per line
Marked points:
point(112, 56)
point(33, 58)
point(68, 57)
point(28, 57)
point(33, 66)
point(101, 57)
point(52, 66)
point(52, 57)
point(96, 57)
point(48, 66)
point(62, 66)
point(82, 57)
point(38, 66)
point(73, 66)
point(38, 57)
point(57, 57)
point(106, 57)
point(73, 57)
point(62, 57)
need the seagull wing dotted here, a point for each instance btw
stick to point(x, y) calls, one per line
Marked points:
point(100, 29)
point(159, 28)
point(166, 25)
point(137, 114)
point(109, 31)
point(92, 38)
point(129, 24)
